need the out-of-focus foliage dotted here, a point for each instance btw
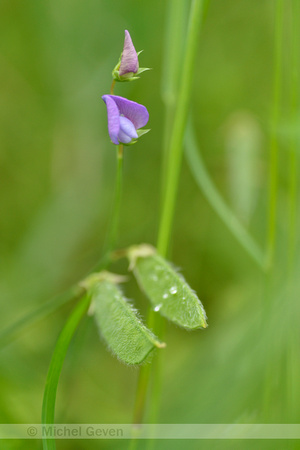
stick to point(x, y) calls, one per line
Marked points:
point(57, 170)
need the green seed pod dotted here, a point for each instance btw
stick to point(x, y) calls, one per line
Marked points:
point(119, 324)
point(167, 290)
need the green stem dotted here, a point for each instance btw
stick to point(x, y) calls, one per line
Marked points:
point(293, 144)
point(59, 354)
point(176, 17)
point(292, 367)
point(269, 387)
point(174, 158)
point(273, 188)
point(140, 400)
point(180, 120)
point(112, 87)
point(114, 223)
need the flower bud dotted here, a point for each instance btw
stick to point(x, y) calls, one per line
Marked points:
point(128, 64)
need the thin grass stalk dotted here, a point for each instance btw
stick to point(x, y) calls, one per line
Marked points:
point(274, 146)
point(181, 114)
point(272, 216)
point(173, 165)
point(292, 363)
point(293, 159)
point(58, 357)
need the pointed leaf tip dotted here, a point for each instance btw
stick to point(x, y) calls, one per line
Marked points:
point(166, 289)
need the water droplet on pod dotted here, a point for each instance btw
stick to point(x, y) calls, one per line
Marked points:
point(157, 307)
point(173, 290)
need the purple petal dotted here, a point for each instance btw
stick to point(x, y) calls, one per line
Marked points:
point(129, 60)
point(135, 112)
point(113, 118)
point(127, 127)
point(124, 138)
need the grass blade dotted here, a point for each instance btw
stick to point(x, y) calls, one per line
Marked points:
point(48, 410)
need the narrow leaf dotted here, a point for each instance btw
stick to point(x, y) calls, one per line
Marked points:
point(119, 324)
point(167, 290)
point(56, 364)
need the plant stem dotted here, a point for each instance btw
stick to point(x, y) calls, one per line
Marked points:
point(174, 158)
point(112, 87)
point(140, 400)
point(176, 18)
point(292, 366)
point(293, 144)
point(59, 354)
point(273, 188)
point(272, 218)
point(180, 120)
point(114, 223)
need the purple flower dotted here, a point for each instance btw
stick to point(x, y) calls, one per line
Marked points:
point(129, 59)
point(124, 117)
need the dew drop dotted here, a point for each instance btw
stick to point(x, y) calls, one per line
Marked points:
point(166, 295)
point(173, 290)
point(154, 277)
point(157, 307)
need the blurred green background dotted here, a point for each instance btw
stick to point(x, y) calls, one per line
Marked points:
point(57, 169)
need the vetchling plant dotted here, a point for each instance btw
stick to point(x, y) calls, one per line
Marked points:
point(100, 294)
point(118, 322)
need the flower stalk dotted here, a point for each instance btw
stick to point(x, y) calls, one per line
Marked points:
point(112, 87)
point(114, 224)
